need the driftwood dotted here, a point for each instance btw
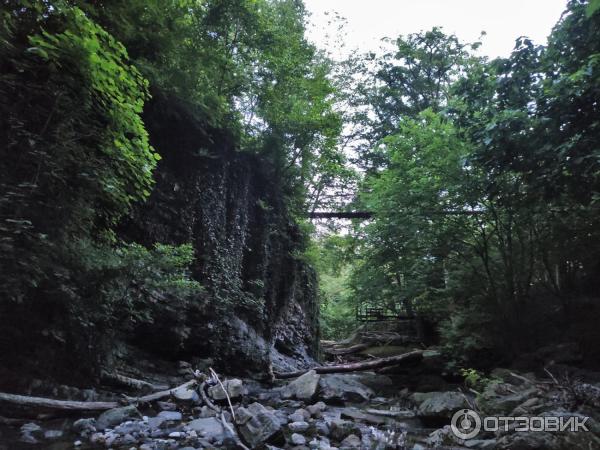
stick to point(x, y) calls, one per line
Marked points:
point(370, 364)
point(130, 383)
point(49, 403)
point(161, 394)
point(23, 401)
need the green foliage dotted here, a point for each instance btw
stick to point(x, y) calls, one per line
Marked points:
point(338, 308)
point(132, 284)
point(405, 251)
point(103, 292)
point(76, 153)
point(412, 76)
point(485, 204)
point(329, 255)
point(244, 67)
point(593, 7)
point(476, 380)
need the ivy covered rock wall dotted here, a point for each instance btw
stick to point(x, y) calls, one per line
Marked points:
point(259, 305)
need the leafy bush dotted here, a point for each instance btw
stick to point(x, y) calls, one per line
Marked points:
point(476, 380)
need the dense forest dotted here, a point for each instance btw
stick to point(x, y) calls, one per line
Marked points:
point(482, 181)
point(166, 168)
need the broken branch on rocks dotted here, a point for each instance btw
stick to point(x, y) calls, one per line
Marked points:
point(371, 364)
point(128, 382)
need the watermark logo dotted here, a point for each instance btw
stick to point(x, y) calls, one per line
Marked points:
point(466, 423)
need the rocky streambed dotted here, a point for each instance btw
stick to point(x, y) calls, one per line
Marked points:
point(362, 410)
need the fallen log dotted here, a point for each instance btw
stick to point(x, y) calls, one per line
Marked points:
point(161, 394)
point(346, 350)
point(370, 364)
point(23, 401)
point(117, 379)
point(50, 403)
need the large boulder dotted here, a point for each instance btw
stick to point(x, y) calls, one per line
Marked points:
point(234, 388)
point(115, 416)
point(340, 429)
point(441, 405)
point(186, 394)
point(259, 426)
point(340, 389)
point(503, 398)
point(530, 441)
point(209, 428)
point(303, 388)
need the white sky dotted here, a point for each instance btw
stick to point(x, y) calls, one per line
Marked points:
point(370, 20)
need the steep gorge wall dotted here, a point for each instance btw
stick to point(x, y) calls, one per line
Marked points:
point(259, 306)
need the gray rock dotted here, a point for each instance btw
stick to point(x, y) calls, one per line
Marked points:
point(317, 409)
point(340, 429)
point(322, 444)
point(242, 415)
point(186, 395)
point(282, 417)
point(500, 398)
point(234, 388)
point(295, 417)
point(299, 415)
point(156, 422)
point(89, 395)
point(112, 417)
point(442, 405)
point(530, 441)
point(173, 416)
point(419, 397)
point(298, 427)
point(441, 437)
point(303, 388)
point(298, 439)
point(28, 438)
point(481, 444)
point(322, 428)
point(357, 415)
point(209, 428)
point(375, 381)
point(167, 406)
point(84, 425)
point(53, 434)
point(97, 438)
point(205, 412)
point(128, 439)
point(31, 428)
point(351, 441)
point(263, 427)
point(339, 388)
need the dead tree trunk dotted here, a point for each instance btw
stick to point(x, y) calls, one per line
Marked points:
point(371, 364)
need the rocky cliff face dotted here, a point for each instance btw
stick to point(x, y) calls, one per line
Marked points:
point(259, 306)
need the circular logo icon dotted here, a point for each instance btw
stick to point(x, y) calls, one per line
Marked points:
point(466, 424)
